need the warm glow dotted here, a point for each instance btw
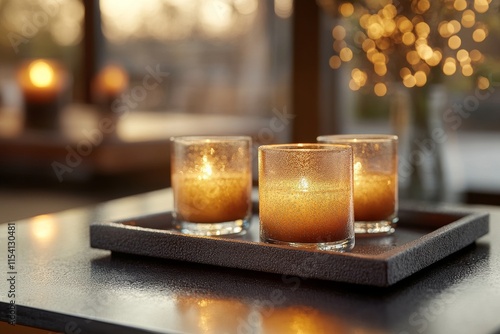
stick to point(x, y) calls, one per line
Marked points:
point(408, 38)
point(405, 25)
point(409, 81)
point(468, 18)
point(425, 51)
point(303, 184)
point(43, 227)
point(359, 77)
point(338, 32)
point(454, 26)
point(462, 55)
point(368, 44)
point(404, 72)
point(353, 85)
point(422, 29)
point(346, 9)
point(418, 34)
point(412, 57)
point(476, 55)
point(435, 59)
point(481, 6)
point(179, 19)
point(467, 70)
point(479, 35)
point(449, 67)
point(283, 8)
point(380, 89)
point(206, 169)
point(335, 62)
point(420, 78)
point(483, 83)
point(346, 54)
point(380, 68)
point(454, 42)
point(113, 80)
point(423, 6)
point(445, 29)
point(460, 5)
point(41, 74)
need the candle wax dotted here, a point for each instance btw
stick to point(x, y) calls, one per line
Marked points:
point(374, 196)
point(214, 199)
point(320, 214)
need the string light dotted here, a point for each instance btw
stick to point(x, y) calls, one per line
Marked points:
point(393, 37)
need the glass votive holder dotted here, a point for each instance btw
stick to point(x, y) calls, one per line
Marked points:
point(375, 165)
point(305, 195)
point(212, 184)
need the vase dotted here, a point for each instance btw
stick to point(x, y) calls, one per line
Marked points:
point(417, 120)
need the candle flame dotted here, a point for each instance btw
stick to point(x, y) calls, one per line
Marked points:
point(206, 169)
point(358, 167)
point(41, 74)
point(303, 184)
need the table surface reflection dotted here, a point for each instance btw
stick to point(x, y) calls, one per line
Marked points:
point(64, 285)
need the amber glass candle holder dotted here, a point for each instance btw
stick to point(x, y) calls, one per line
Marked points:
point(305, 195)
point(212, 184)
point(375, 181)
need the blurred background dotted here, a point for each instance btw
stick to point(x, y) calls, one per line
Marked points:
point(91, 91)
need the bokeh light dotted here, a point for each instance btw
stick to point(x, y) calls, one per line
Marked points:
point(403, 41)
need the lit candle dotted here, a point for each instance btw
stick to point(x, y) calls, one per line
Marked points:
point(212, 183)
point(297, 214)
point(43, 84)
point(109, 83)
point(375, 194)
point(305, 195)
point(375, 180)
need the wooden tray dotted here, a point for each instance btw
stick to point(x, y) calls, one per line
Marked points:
point(423, 236)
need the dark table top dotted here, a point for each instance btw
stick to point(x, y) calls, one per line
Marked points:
point(62, 284)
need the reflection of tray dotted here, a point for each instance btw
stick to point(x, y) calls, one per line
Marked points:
point(422, 237)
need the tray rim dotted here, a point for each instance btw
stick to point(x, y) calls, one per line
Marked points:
point(387, 261)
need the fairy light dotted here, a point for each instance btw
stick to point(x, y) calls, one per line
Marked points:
point(403, 41)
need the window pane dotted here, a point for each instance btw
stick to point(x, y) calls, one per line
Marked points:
point(210, 56)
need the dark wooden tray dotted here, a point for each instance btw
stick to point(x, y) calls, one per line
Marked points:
point(423, 236)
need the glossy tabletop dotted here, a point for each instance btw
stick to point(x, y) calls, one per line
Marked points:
point(62, 284)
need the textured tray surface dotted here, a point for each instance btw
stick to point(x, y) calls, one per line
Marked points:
point(422, 237)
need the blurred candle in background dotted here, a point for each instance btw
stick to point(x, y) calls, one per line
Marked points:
point(44, 84)
point(108, 85)
point(110, 82)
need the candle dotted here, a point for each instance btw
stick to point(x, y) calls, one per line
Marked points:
point(212, 183)
point(299, 215)
point(109, 83)
point(43, 84)
point(374, 194)
point(375, 181)
point(305, 195)
point(211, 198)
